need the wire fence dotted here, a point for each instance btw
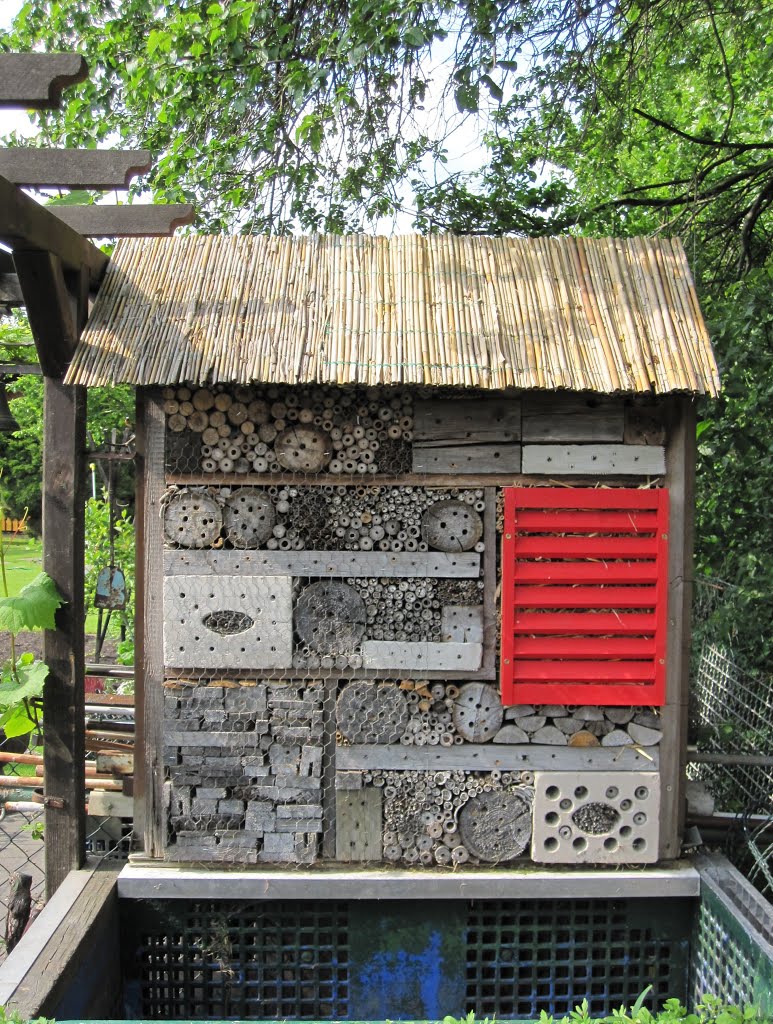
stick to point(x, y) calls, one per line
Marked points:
point(732, 720)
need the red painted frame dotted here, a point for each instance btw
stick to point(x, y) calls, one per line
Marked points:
point(584, 618)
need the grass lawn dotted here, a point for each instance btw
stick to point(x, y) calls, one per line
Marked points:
point(23, 561)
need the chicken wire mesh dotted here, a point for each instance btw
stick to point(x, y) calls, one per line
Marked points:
point(330, 634)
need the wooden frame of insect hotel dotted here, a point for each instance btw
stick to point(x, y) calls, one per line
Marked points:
point(415, 534)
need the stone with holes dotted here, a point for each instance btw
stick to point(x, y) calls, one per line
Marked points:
point(248, 517)
point(192, 519)
point(330, 617)
point(228, 622)
point(496, 826)
point(451, 526)
point(372, 712)
point(596, 817)
point(478, 712)
point(303, 449)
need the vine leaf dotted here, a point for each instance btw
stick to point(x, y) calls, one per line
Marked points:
point(33, 607)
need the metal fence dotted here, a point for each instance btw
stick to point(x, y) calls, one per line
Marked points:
point(732, 723)
point(22, 848)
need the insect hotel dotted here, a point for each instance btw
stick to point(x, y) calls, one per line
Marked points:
point(415, 545)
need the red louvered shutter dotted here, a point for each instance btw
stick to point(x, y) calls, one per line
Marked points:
point(584, 595)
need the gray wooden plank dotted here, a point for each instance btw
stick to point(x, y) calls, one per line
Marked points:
point(490, 620)
point(138, 881)
point(467, 458)
point(358, 824)
point(73, 168)
point(487, 756)
point(418, 656)
point(572, 418)
point(462, 624)
point(329, 768)
point(125, 221)
point(464, 420)
point(322, 563)
point(680, 480)
point(35, 81)
point(594, 459)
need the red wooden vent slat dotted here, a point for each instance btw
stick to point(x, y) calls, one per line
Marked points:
point(583, 647)
point(585, 623)
point(590, 522)
point(587, 572)
point(584, 595)
point(584, 671)
point(585, 547)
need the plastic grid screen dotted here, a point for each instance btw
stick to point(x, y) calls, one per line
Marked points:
point(719, 966)
point(525, 957)
point(269, 960)
point(305, 961)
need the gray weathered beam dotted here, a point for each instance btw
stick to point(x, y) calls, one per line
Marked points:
point(25, 225)
point(485, 757)
point(73, 168)
point(125, 221)
point(49, 310)
point(10, 290)
point(35, 80)
point(20, 369)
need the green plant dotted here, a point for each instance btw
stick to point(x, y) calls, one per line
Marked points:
point(22, 675)
point(101, 551)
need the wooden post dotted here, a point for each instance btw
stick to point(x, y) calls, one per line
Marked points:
point(149, 661)
point(680, 479)
point(64, 476)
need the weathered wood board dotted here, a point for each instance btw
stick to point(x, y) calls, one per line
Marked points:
point(484, 757)
point(322, 563)
point(194, 636)
point(467, 421)
point(358, 825)
point(389, 654)
point(594, 459)
point(572, 419)
point(467, 458)
point(462, 624)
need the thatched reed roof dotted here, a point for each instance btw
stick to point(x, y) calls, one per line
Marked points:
point(603, 315)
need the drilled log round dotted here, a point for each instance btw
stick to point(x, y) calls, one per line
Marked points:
point(371, 713)
point(330, 617)
point(451, 526)
point(248, 518)
point(496, 826)
point(192, 520)
point(303, 449)
point(478, 712)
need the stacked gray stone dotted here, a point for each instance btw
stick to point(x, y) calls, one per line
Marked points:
point(244, 768)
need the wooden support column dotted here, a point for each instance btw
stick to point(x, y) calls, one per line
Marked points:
point(680, 479)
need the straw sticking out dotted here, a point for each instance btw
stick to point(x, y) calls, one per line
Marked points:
point(603, 315)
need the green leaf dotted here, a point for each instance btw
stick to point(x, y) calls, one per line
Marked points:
point(31, 677)
point(494, 89)
point(16, 721)
point(467, 98)
point(33, 607)
point(79, 197)
point(414, 37)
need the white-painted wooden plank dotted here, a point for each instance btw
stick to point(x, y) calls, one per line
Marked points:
point(463, 420)
point(265, 641)
point(467, 458)
point(419, 656)
point(322, 563)
point(462, 624)
point(594, 459)
point(484, 757)
point(168, 881)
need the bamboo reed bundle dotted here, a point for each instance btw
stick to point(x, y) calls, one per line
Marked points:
point(478, 312)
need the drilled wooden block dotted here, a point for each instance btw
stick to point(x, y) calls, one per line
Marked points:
point(462, 624)
point(358, 825)
point(595, 459)
point(227, 622)
point(421, 657)
point(596, 817)
point(469, 458)
point(322, 563)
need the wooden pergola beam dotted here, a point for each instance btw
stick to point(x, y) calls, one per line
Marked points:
point(10, 291)
point(125, 221)
point(34, 81)
point(50, 310)
point(27, 226)
point(73, 168)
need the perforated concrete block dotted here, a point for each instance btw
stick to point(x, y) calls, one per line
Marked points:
point(228, 622)
point(596, 817)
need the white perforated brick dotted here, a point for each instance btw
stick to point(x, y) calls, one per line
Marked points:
point(228, 622)
point(596, 817)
